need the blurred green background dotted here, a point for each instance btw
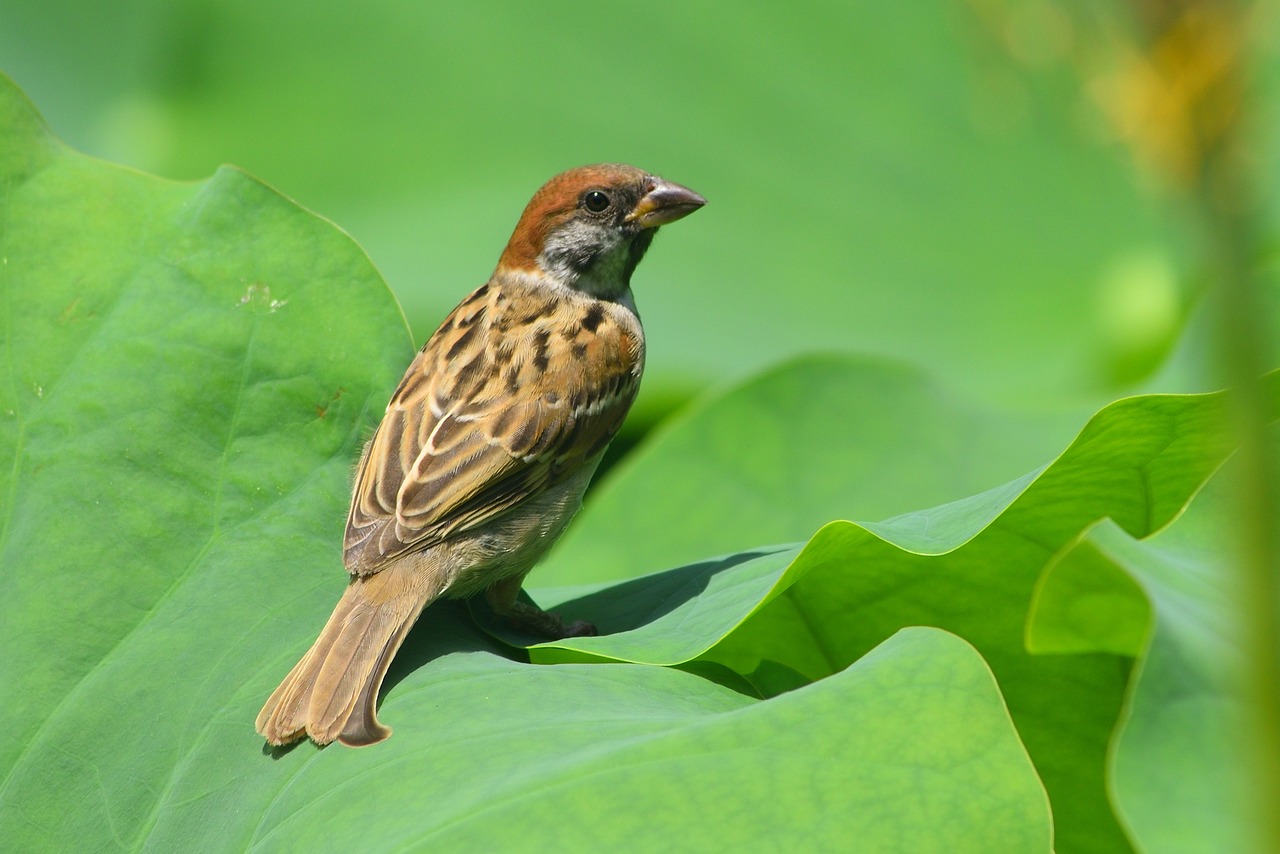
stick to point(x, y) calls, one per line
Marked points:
point(1017, 200)
point(972, 187)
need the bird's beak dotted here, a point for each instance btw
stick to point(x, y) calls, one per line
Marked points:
point(665, 203)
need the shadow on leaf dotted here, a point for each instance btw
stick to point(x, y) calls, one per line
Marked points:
point(622, 607)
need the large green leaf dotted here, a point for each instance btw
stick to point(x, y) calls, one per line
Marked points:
point(773, 459)
point(1179, 761)
point(843, 437)
point(972, 567)
point(503, 755)
point(188, 371)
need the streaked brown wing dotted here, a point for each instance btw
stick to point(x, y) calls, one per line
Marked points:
point(466, 437)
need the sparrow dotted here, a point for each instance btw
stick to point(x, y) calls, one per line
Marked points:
point(488, 443)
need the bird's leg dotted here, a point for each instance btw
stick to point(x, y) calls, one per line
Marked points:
point(530, 618)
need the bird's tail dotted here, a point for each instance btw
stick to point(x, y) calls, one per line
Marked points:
point(332, 692)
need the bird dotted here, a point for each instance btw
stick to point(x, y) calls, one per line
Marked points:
point(488, 443)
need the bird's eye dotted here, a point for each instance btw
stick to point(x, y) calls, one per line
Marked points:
point(596, 201)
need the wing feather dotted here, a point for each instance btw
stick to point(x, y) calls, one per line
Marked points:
point(474, 430)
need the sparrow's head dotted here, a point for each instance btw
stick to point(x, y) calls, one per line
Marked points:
point(589, 227)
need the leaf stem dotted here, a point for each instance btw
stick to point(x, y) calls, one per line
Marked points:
point(1231, 214)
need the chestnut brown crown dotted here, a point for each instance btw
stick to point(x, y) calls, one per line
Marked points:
point(588, 228)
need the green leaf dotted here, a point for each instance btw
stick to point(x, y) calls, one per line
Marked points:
point(773, 459)
point(971, 567)
point(632, 757)
point(188, 372)
point(1178, 767)
point(805, 458)
point(1085, 603)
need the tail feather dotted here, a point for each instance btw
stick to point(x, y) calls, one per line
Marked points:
point(332, 692)
point(362, 727)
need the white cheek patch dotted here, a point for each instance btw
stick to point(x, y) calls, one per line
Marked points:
point(587, 256)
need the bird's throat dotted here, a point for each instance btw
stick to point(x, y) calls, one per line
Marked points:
point(600, 268)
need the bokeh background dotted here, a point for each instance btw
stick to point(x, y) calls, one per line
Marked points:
point(991, 190)
point(1001, 214)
